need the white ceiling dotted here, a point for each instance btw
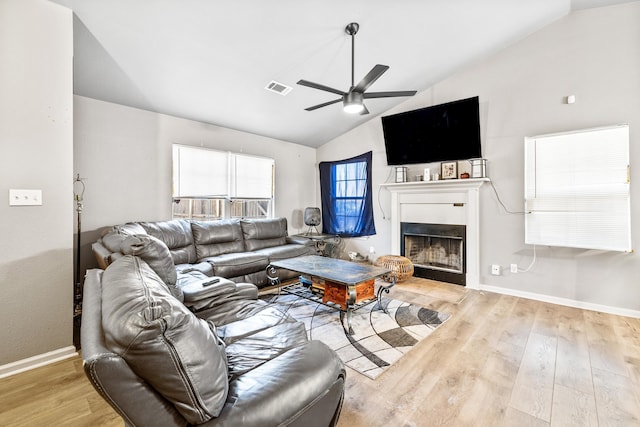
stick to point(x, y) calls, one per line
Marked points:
point(210, 60)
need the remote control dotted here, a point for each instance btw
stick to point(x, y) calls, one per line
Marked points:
point(211, 282)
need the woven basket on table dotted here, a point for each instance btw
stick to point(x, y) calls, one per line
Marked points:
point(401, 267)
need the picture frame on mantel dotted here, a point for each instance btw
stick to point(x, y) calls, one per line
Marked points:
point(449, 170)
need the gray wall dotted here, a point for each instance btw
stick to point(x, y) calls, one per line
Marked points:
point(125, 155)
point(36, 149)
point(592, 54)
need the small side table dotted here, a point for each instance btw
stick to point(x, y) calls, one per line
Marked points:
point(324, 242)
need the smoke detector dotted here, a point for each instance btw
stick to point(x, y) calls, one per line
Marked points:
point(278, 88)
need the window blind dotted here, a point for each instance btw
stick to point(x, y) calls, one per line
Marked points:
point(200, 172)
point(252, 177)
point(577, 189)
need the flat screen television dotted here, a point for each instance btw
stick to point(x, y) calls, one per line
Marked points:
point(438, 133)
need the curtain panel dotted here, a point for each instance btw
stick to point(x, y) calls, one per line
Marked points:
point(345, 190)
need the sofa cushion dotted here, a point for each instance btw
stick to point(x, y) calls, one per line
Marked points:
point(130, 228)
point(155, 253)
point(214, 238)
point(237, 264)
point(164, 343)
point(264, 233)
point(253, 350)
point(176, 234)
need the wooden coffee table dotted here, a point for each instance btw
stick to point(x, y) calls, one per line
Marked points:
point(345, 285)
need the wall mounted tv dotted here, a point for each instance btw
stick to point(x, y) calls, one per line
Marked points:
point(438, 133)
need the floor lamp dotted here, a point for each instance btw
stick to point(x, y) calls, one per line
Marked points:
point(78, 195)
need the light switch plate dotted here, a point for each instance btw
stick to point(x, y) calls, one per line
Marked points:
point(25, 197)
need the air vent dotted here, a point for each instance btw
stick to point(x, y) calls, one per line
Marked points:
point(278, 88)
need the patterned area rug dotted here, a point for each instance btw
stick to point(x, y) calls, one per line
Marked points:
point(379, 339)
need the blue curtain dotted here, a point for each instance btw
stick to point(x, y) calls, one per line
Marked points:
point(345, 190)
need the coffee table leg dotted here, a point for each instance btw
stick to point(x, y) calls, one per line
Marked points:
point(347, 329)
point(384, 288)
point(272, 275)
point(350, 300)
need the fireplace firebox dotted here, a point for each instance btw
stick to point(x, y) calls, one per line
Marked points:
point(437, 251)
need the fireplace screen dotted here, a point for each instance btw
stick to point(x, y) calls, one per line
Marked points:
point(436, 250)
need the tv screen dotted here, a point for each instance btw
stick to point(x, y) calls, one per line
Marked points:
point(442, 132)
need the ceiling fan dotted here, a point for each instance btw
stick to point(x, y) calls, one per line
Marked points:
point(353, 100)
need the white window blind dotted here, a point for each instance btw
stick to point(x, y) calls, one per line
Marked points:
point(200, 172)
point(577, 189)
point(252, 177)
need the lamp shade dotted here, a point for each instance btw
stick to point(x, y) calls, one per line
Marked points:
point(312, 216)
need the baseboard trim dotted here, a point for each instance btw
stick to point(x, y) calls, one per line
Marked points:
point(37, 361)
point(563, 301)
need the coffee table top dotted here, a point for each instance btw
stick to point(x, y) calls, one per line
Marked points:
point(335, 270)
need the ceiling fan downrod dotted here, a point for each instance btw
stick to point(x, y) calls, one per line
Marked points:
point(352, 30)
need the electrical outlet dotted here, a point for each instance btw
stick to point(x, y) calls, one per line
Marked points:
point(514, 268)
point(495, 269)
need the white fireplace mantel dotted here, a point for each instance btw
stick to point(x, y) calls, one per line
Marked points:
point(454, 201)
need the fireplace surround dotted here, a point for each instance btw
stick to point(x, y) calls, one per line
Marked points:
point(447, 202)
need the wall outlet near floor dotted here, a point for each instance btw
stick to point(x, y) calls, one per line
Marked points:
point(514, 268)
point(495, 269)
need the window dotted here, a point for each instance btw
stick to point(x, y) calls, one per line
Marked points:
point(345, 187)
point(211, 184)
point(577, 189)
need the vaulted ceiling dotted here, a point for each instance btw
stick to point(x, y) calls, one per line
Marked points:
point(210, 60)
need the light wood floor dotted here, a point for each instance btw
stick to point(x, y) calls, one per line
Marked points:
point(499, 361)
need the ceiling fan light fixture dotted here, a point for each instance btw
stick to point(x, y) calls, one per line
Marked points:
point(353, 103)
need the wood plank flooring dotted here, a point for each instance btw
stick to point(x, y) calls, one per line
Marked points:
point(499, 361)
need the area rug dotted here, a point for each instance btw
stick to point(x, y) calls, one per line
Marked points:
point(378, 340)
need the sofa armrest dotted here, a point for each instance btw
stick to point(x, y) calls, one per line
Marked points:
point(102, 254)
point(203, 292)
point(131, 397)
point(299, 240)
point(197, 288)
point(247, 290)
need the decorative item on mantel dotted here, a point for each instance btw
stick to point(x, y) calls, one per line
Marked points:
point(478, 168)
point(464, 169)
point(449, 170)
point(401, 267)
point(401, 174)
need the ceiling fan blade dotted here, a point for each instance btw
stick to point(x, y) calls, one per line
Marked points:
point(315, 107)
point(369, 95)
point(320, 87)
point(371, 77)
